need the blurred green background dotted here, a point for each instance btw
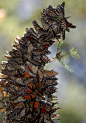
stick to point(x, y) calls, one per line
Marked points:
point(16, 15)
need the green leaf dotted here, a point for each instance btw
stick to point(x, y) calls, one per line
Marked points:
point(73, 53)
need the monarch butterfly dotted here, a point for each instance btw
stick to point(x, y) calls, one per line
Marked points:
point(51, 11)
point(32, 90)
point(56, 27)
point(47, 44)
point(44, 25)
point(64, 26)
point(58, 55)
point(45, 12)
point(37, 58)
point(60, 9)
point(38, 28)
point(45, 59)
point(50, 73)
point(69, 24)
point(31, 30)
point(48, 19)
point(32, 67)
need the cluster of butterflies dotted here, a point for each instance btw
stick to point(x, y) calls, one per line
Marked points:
point(54, 23)
point(28, 87)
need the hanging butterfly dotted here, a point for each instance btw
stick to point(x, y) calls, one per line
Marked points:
point(69, 24)
point(65, 26)
point(47, 44)
point(32, 67)
point(45, 59)
point(60, 10)
point(51, 12)
point(45, 12)
point(50, 73)
point(38, 28)
point(33, 90)
point(56, 27)
point(31, 30)
point(58, 55)
point(29, 94)
point(45, 25)
point(49, 20)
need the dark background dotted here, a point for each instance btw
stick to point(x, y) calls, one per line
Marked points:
point(16, 15)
